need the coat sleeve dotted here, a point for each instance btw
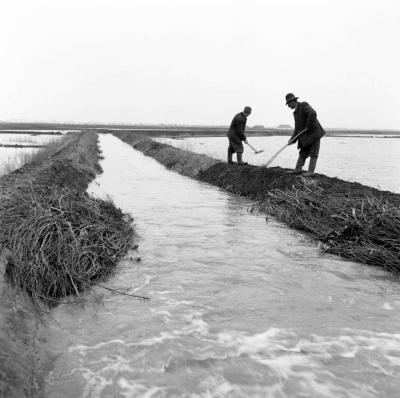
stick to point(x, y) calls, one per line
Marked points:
point(311, 116)
point(294, 132)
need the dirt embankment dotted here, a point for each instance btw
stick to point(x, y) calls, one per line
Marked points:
point(183, 162)
point(352, 220)
point(23, 361)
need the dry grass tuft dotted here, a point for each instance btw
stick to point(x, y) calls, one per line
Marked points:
point(362, 229)
point(61, 240)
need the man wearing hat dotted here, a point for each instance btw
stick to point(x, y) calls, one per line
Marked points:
point(305, 118)
point(236, 135)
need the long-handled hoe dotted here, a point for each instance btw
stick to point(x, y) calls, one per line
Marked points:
point(280, 150)
point(255, 150)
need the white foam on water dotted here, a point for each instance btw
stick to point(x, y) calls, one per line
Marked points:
point(131, 389)
point(296, 366)
point(174, 302)
point(215, 386)
point(309, 363)
point(145, 283)
point(163, 336)
point(82, 348)
point(196, 324)
point(387, 306)
point(94, 383)
point(100, 374)
point(163, 313)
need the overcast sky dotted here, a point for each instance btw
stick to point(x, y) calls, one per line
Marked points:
point(200, 61)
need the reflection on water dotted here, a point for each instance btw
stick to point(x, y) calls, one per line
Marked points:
point(371, 161)
point(28, 139)
point(14, 158)
point(239, 307)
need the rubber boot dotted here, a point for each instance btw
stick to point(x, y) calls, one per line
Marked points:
point(239, 159)
point(299, 165)
point(230, 157)
point(311, 167)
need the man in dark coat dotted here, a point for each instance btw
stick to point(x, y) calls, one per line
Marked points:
point(236, 135)
point(305, 118)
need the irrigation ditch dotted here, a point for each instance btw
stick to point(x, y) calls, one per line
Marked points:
point(349, 219)
point(58, 241)
point(55, 241)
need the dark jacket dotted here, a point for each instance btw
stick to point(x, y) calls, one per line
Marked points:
point(306, 117)
point(236, 130)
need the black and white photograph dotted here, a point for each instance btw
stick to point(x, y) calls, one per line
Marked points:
point(200, 198)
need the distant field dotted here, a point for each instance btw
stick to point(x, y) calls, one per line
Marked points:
point(169, 131)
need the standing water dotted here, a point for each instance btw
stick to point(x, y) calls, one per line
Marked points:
point(239, 306)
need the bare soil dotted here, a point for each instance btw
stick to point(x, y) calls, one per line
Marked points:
point(255, 182)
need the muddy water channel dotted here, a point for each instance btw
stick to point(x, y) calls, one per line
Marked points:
point(239, 307)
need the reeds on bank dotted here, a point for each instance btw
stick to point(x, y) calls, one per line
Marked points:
point(59, 240)
point(365, 229)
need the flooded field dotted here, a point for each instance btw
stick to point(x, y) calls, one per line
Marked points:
point(371, 161)
point(27, 139)
point(13, 158)
point(239, 306)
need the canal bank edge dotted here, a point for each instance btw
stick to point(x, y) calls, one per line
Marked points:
point(23, 359)
point(67, 166)
point(352, 220)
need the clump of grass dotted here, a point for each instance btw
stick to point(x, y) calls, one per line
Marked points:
point(363, 229)
point(60, 241)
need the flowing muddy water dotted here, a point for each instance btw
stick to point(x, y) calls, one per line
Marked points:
point(239, 306)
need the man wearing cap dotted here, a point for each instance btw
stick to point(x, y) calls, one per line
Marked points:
point(236, 135)
point(305, 118)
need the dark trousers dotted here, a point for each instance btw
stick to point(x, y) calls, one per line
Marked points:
point(235, 147)
point(311, 151)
